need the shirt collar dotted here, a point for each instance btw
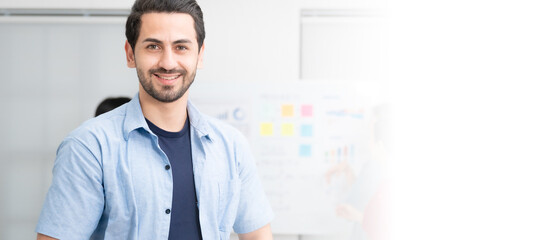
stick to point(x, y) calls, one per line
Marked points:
point(134, 119)
point(197, 121)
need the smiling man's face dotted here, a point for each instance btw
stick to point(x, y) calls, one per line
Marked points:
point(166, 55)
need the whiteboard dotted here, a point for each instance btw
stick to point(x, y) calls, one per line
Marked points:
point(298, 131)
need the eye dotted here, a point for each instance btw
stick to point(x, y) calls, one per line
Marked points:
point(182, 48)
point(152, 47)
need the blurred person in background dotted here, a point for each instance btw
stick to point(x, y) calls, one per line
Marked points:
point(365, 201)
point(109, 104)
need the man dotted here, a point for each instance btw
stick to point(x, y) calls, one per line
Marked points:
point(156, 168)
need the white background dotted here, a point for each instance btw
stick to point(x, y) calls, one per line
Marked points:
point(476, 119)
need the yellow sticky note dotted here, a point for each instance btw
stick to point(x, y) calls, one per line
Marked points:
point(287, 110)
point(266, 129)
point(287, 129)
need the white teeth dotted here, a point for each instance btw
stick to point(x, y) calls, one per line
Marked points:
point(168, 78)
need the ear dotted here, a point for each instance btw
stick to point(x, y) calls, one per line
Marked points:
point(201, 56)
point(129, 55)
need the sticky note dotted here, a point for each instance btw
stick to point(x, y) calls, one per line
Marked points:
point(306, 130)
point(306, 110)
point(287, 129)
point(287, 110)
point(266, 129)
point(304, 150)
point(267, 111)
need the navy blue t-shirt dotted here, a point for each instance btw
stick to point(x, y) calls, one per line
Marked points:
point(185, 223)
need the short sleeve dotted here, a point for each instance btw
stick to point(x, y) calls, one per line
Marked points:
point(75, 199)
point(254, 210)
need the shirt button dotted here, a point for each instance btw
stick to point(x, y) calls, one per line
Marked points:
point(168, 211)
point(167, 167)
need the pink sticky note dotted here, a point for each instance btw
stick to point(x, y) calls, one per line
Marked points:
point(306, 110)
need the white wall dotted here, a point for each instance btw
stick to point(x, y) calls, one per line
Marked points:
point(258, 40)
point(67, 4)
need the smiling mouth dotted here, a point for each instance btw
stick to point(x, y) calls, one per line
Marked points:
point(168, 78)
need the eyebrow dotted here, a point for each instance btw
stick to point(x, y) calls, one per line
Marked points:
point(160, 42)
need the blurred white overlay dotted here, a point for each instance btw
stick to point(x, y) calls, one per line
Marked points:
point(475, 106)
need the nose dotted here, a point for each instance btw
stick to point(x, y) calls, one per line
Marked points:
point(167, 60)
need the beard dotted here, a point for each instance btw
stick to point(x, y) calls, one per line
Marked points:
point(168, 93)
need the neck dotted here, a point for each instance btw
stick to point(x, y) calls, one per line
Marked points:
point(167, 116)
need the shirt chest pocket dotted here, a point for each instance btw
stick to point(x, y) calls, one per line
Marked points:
point(229, 196)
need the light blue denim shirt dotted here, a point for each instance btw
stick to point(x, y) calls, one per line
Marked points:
point(110, 182)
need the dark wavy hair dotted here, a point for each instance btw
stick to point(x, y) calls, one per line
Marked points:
point(140, 7)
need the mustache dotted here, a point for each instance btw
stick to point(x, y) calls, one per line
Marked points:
point(165, 71)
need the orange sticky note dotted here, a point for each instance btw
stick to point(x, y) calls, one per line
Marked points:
point(287, 110)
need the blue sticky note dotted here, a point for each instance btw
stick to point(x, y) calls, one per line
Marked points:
point(304, 150)
point(306, 130)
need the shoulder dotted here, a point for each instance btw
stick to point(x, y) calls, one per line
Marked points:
point(100, 131)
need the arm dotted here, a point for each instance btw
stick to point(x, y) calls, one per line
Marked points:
point(44, 237)
point(75, 200)
point(263, 233)
point(254, 212)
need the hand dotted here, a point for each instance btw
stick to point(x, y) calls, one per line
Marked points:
point(340, 168)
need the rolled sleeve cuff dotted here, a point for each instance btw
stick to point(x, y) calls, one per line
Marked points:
point(256, 222)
